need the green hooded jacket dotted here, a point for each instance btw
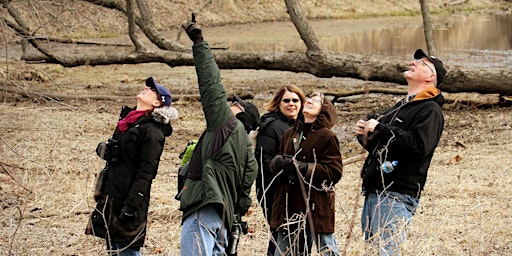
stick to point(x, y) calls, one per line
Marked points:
point(222, 168)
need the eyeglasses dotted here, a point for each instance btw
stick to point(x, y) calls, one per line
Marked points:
point(294, 100)
point(314, 100)
point(420, 61)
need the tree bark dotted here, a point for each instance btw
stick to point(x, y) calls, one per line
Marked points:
point(139, 47)
point(305, 31)
point(146, 27)
point(427, 28)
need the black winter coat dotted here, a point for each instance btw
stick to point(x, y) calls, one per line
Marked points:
point(272, 127)
point(408, 133)
point(129, 179)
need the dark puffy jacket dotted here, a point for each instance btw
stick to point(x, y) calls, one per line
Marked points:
point(321, 144)
point(130, 177)
point(222, 168)
point(272, 127)
point(408, 133)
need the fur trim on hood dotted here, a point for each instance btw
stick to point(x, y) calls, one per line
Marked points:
point(164, 115)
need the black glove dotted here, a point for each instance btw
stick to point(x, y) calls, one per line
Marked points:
point(290, 168)
point(102, 150)
point(276, 164)
point(193, 30)
point(128, 213)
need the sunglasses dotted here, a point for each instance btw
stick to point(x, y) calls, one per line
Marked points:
point(294, 100)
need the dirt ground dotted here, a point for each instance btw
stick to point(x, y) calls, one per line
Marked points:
point(48, 164)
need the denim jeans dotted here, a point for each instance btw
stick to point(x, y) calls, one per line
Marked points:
point(114, 249)
point(325, 243)
point(203, 233)
point(385, 218)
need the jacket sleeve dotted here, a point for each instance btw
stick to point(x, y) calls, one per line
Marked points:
point(329, 166)
point(266, 148)
point(151, 147)
point(250, 172)
point(419, 140)
point(213, 94)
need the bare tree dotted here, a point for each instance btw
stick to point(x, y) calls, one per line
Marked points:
point(139, 47)
point(427, 28)
point(316, 60)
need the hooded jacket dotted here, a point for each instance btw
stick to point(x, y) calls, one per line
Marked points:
point(318, 143)
point(407, 133)
point(129, 178)
point(222, 168)
point(271, 130)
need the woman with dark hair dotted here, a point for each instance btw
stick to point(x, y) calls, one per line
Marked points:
point(282, 111)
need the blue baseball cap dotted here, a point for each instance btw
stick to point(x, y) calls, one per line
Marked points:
point(163, 94)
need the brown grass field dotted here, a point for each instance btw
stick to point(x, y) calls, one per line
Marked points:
point(48, 165)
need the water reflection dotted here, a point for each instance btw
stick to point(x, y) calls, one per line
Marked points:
point(389, 36)
point(454, 33)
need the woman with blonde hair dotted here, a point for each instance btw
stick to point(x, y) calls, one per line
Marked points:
point(282, 111)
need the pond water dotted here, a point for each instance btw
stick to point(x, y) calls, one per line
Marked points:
point(457, 36)
point(451, 33)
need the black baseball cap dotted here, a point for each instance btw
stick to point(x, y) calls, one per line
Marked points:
point(438, 65)
point(250, 109)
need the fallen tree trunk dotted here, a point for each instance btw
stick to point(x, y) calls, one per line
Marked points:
point(458, 79)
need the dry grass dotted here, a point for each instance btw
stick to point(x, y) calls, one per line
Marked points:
point(48, 148)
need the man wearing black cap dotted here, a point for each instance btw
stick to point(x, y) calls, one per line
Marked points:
point(246, 112)
point(400, 142)
point(222, 169)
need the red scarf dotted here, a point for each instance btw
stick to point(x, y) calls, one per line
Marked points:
point(131, 118)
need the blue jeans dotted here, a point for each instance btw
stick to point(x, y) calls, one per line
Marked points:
point(325, 243)
point(203, 233)
point(115, 250)
point(385, 218)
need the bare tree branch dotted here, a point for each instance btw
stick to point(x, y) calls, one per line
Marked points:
point(139, 47)
point(147, 28)
point(22, 29)
point(301, 24)
point(208, 2)
point(427, 28)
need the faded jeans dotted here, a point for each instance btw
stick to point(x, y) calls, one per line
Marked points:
point(385, 218)
point(114, 249)
point(203, 233)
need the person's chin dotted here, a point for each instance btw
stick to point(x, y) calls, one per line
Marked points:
point(291, 113)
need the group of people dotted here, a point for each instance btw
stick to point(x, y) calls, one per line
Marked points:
point(295, 164)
